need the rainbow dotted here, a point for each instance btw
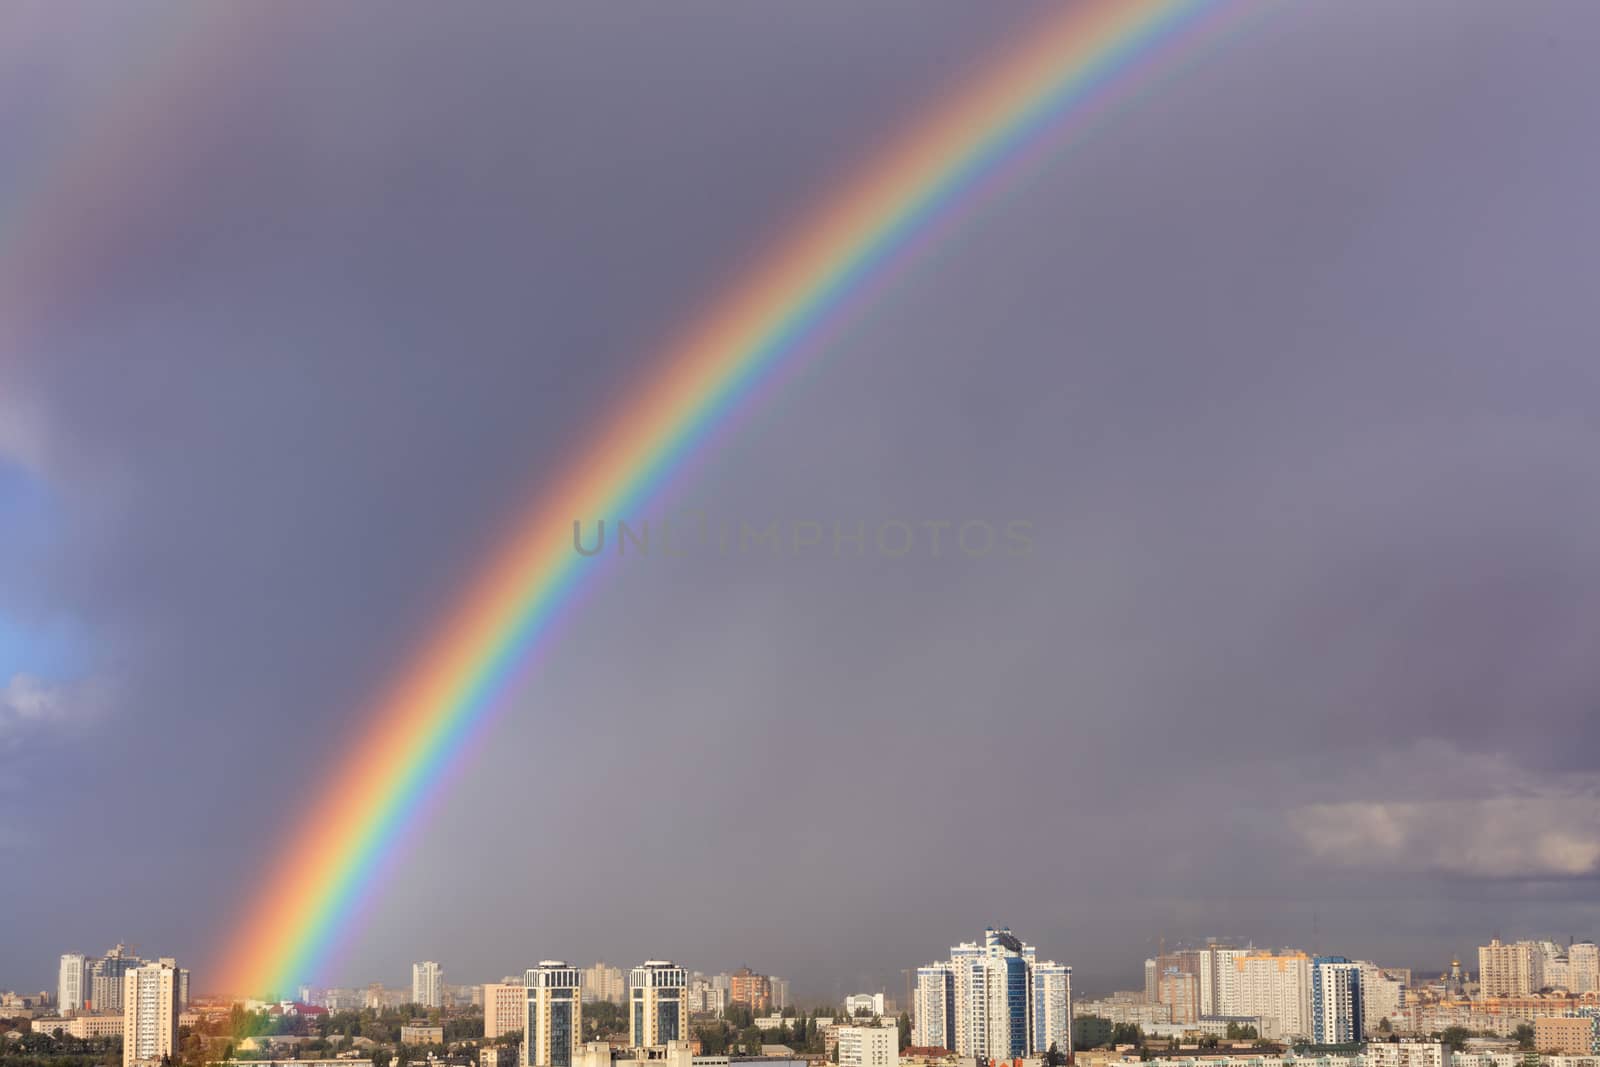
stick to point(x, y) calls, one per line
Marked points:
point(1015, 109)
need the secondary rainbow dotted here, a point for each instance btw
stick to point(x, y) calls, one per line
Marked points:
point(1018, 106)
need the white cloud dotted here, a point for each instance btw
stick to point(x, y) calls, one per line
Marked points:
point(1538, 830)
point(28, 703)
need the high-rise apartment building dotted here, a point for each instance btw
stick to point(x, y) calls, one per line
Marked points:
point(747, 987)
point(1506, 970)
point(705, 996)
point(106, 978)
point(72, 986)
point(1276, 987)
point(553, 1024)
point(933, 1019)
point(1219, 991)
point(1052, 1007)
point(503, 1006)
point(427, 984)
point(984, 999)
point(601, 982)
point(1179, 992)
point(149, 1013)
point(658, 1009)
point(869, 1046)
point(1336, 1009)
point(1383, 993)
point(780, 992)
point(1583, 963)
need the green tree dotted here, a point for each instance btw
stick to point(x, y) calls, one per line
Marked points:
point(1524, 1035)
point(1455, 1037)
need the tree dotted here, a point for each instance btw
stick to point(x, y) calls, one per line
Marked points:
point(1127, 1034)
point(903, 1024)
point(1385, 1026)
point(1055, 1057)
point(1455, 1037)
point(1524, 1035)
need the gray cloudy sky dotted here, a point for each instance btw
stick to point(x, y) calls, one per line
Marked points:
point(1292, 366)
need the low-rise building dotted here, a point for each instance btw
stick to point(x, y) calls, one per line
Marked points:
point(83, 1027)
point(1573, 1035)
point(421, 1034)
point(1405, 1054)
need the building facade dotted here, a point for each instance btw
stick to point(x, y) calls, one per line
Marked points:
point(1276, 988)
point(72, 985)
point(601, 982)
point(149, 1013)
point(1583, 961)
point(658, 1008)
point(106, 976)
point(983, 1000)
point(1052, 1007)
point(747, 987)
point(503, 1007)
point(1336, 1007)
point(427, 984)
point(869, 1046)
point(933, 1019)
point(552, 1027)
point(1506, 970)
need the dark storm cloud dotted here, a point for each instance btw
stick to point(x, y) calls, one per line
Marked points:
point(1291, 367)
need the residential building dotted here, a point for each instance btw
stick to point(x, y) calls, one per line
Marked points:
point(933, 1020)
point(553, 1023)
point(1565, 1035)
point(1179, 992)
point(1405, 1054)
point(601, 982)
point(72, 986)
point(1507, 970)
point(149, 1013)
point(1276, 987)
point(106, 976)
point(984, 999)
point(1052, 1007)
point(498, 1055)
point(1336, 1009)
point(503, 1006)
point(869, 1046)
point(421, 1034)
point(658, 1008)
point(780, 992)
point(1583, 961)
point(747, 987)
point(427, 984)
point(1383, 996)
point(705, 997)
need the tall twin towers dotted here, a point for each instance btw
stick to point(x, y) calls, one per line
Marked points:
point(658, 1010)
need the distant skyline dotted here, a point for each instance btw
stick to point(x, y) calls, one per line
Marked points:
point(1290, 365)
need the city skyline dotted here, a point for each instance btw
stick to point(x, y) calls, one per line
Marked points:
point(1289, 371)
